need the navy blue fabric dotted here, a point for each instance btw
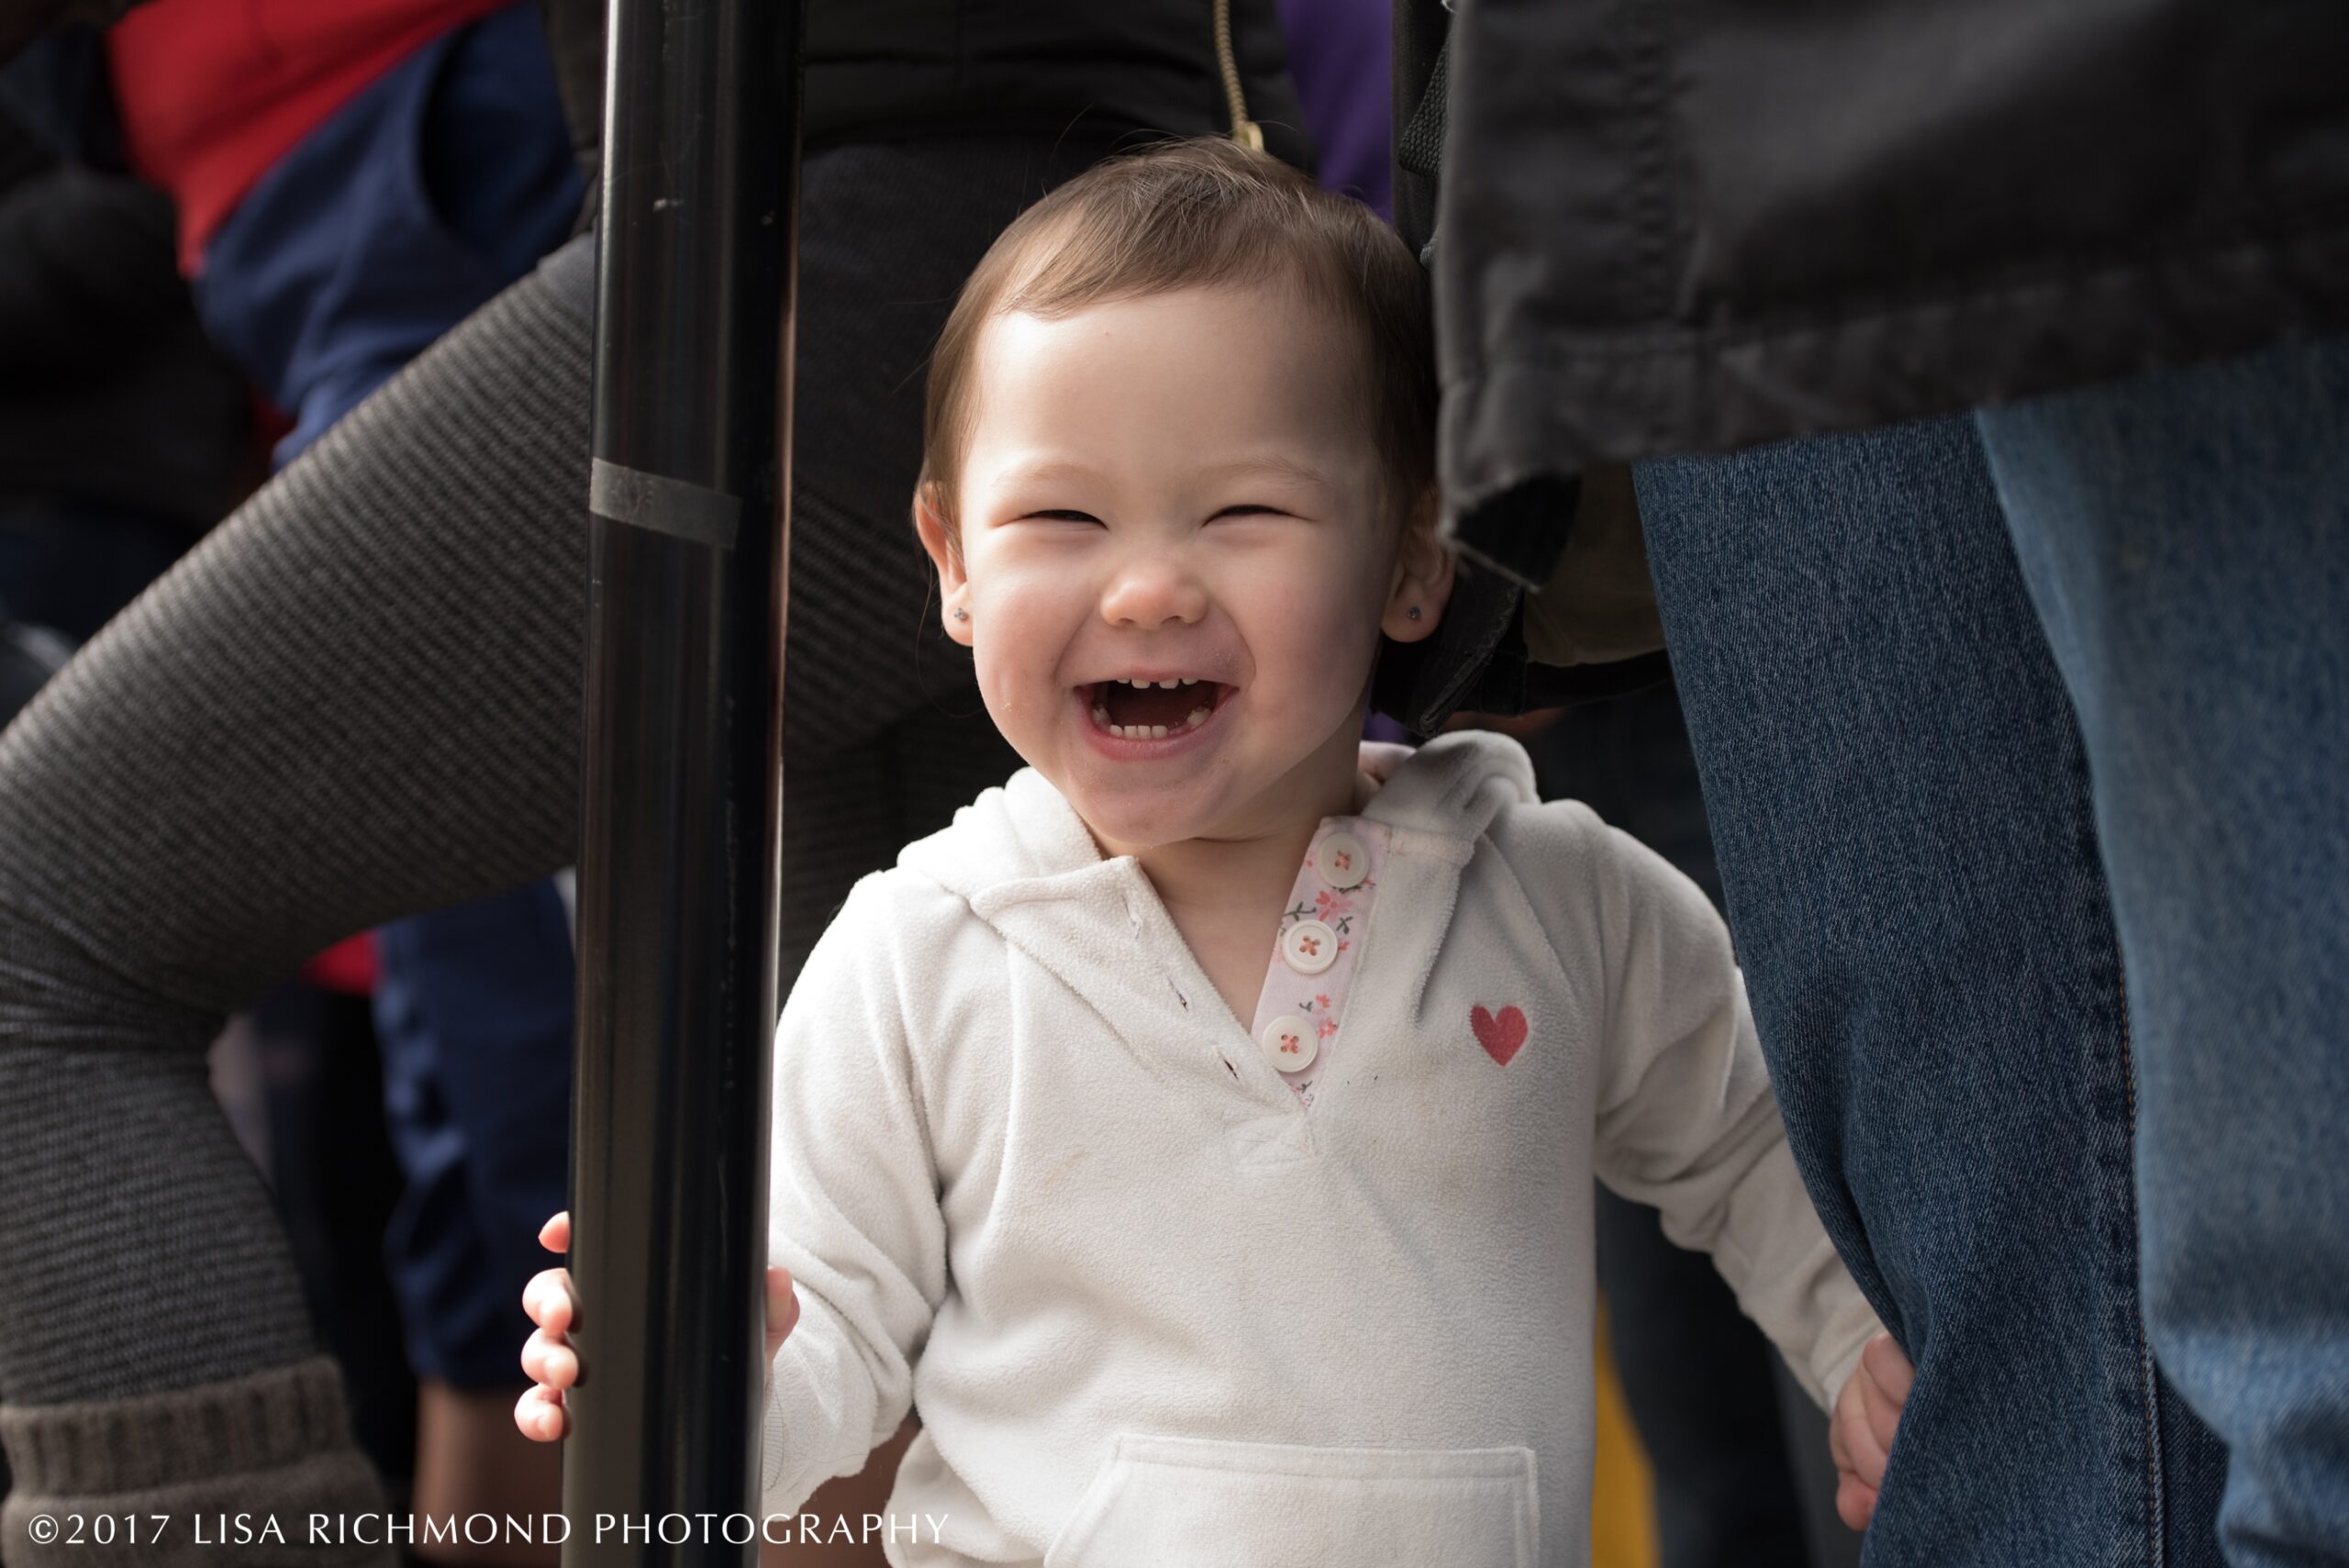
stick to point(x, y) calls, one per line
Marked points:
point(474, 1010)
point(1899, 800)
point(421, 198)
point(69, 564)
point(424, 196)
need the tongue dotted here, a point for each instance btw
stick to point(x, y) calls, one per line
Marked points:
point(1153, 705)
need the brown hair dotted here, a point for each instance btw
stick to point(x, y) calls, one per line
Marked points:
point(1201, 213)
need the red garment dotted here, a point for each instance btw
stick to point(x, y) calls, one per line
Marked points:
point(212, 93)
point(348, 967)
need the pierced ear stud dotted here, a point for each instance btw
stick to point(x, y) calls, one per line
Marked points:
point(966, 615)
point(1415, 612)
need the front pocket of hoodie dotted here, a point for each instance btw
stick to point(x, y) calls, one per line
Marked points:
point(1194, 1503)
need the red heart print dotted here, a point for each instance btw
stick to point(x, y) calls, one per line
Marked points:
point(1499, 1036)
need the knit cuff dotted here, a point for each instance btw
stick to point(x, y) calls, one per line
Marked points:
point(244, 1466)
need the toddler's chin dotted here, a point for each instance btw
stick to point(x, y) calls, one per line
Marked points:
point(1132, 831)
point(1141, 819)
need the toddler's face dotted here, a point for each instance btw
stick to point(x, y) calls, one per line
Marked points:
point(1182, 488)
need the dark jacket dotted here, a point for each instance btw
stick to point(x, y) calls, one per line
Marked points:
point(109, 389)
point(1689, 226)
point(878, 69)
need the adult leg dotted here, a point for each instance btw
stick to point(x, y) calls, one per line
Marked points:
point(357, 698)
point(2186, 538)
point(1899, 804)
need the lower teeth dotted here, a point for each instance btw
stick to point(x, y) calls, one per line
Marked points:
point(1147, 731)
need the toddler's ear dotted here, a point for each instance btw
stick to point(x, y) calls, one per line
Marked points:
point(1422, 576)
point(945, 549)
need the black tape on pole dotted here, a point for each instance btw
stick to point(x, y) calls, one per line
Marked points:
point(673, 506)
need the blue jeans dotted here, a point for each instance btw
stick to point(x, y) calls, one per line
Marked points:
point(1900, 806)
point(2186, 540)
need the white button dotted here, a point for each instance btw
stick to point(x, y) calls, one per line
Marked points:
point(1342, 860)
point(1290, 1043)
point(1309, 947)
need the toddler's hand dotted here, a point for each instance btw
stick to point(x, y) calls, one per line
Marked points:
point(1867, 1412)
point(547, 1355)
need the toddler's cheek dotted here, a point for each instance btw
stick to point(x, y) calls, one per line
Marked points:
point(1012, 697)
point(1022, 706)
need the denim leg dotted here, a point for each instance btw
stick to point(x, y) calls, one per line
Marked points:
point(1898, 800)
point(2185, 537)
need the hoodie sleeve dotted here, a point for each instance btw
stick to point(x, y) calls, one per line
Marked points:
point(1686, 1120)
point(852, 1207)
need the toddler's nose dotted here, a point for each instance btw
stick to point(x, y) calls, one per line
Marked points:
point(1154, 591)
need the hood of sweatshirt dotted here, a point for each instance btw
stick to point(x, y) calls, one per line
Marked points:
point(1025, 863)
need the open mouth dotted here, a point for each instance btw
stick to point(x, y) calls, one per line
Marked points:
point(1153, 711)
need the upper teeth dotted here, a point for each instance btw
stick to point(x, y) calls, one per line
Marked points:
point(1145, 685)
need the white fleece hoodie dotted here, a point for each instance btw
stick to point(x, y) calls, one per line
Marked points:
point(1033, 1177)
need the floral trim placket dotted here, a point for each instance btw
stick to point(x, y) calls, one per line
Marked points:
point(1321, 998)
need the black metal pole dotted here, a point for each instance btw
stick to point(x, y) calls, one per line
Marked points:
point(679, 851)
